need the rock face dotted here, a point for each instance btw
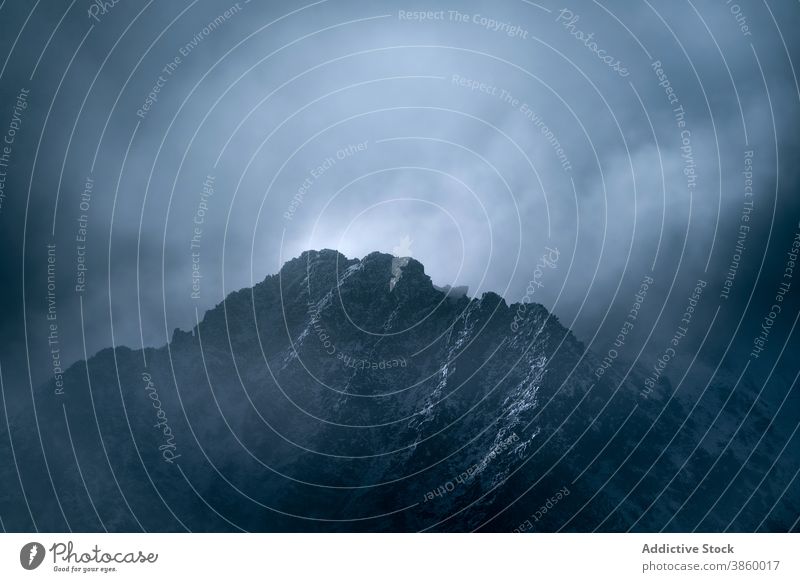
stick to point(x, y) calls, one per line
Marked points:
point(353, 395)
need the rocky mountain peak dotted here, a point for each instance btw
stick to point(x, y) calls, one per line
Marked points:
point(348, 386)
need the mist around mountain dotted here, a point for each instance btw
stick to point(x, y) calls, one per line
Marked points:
point(354, 395)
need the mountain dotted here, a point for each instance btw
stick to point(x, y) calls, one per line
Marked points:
point(353, 395)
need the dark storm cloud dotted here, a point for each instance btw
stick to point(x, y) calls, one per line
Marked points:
point(473, 133)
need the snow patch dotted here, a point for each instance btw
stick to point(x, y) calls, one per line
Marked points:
point(397, 270)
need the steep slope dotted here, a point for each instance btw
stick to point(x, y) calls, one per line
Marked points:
point(343, 394)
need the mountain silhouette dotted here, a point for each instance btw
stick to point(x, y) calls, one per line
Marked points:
point(354, 395)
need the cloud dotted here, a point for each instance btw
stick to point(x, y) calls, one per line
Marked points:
point(473, 142)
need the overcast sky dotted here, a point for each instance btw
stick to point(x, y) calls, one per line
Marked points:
point(471, 140)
